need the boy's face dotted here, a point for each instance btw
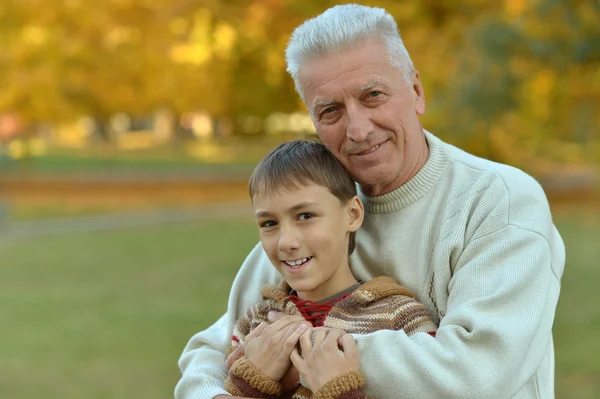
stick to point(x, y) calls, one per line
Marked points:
point(305, 231)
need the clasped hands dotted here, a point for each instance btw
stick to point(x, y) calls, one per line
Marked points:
point(290, 347)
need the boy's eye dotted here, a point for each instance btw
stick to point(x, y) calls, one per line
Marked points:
point(305, 216)
point(268, 223)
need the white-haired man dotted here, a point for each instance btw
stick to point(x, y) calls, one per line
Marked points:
point(472, 238)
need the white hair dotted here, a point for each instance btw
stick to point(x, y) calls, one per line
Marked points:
point(343, 27)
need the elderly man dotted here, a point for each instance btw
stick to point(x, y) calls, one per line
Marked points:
point(472, 238)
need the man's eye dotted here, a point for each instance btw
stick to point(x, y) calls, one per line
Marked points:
point(268, 223)
point(306, 216)
point(329, 110)
point(374, 93)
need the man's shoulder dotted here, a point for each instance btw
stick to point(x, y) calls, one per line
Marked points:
point(498, 193)
point(503, 179)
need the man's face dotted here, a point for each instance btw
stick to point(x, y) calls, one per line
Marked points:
point(304, 231)
point(366, 114)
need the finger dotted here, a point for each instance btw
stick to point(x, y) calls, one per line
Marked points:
point(292, 339)
point(256, 332)
point(349, 347)
point(235, 355)
point(331, 340)
point(282, 334)
point(319, 337)
point(283, 323)
point(297, 361)
point(305, 341)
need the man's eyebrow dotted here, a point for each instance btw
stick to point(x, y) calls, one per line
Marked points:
point(370, 85)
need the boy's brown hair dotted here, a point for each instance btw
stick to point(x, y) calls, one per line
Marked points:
point(298, 163)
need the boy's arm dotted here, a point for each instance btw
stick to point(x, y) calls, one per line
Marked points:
point(497, 329)
point(203, 360)
point(244, 379)
point(347, 386)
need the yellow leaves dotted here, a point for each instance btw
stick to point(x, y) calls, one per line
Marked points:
point(538, 94)
point(194, 54)
point(224, 39)
point(198, 48)
point(514, 8)
point(120, 35)
point(258, 17)
point(543, 82)
point(33, 35)
point(275, 65)
point(178, 26)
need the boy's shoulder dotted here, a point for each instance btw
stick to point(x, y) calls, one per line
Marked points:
point(381, 288)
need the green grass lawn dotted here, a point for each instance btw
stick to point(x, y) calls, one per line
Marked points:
point(106, 315)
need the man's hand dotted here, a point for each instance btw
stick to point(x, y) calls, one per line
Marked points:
point(322, 360)
point(269, 347)
point(233, 356)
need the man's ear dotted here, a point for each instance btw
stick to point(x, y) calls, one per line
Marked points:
point(418, 93)
point(356, 213)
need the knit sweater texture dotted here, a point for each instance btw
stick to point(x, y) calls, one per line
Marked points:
point(474, 240)
point(376, 305)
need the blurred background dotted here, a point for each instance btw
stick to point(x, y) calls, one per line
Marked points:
point(128, 129)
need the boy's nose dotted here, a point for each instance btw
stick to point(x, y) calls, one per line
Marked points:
point(289, 240)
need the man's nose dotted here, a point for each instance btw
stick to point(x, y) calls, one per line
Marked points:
point(359, 123)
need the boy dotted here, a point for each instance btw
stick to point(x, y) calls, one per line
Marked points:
point(308, 212)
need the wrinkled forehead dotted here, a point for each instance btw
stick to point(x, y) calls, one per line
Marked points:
point(347, 73)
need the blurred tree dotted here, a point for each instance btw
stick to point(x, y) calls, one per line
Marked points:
point(528, 80)
point(510, 79)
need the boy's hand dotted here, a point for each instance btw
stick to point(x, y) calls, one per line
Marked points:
point(322, 360)
point(269, 347)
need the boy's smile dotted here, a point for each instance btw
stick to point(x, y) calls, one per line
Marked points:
point(295, 265)
point(305, 230)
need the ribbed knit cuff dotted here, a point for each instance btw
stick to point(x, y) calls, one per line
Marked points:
point(346, 386)
point(246, 380)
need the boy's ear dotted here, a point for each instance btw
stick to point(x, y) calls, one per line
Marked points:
point(356, 213)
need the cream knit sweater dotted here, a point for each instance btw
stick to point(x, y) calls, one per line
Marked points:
point(474, 240)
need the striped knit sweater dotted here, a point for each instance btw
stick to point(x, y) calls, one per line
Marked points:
point(379, 304)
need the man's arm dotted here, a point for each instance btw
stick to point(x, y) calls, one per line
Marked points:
point(498, 325)
point(203, 360)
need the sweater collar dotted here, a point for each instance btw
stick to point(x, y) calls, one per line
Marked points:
point(415, 188)
point(371, 291)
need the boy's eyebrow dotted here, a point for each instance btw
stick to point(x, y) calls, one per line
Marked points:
point(295, 208)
